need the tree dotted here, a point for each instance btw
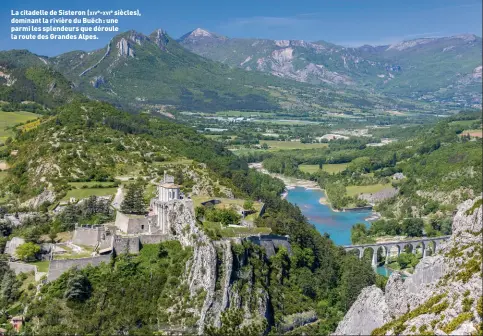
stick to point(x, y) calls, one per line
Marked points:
point(78, 287)
point(407, 260)
point(231, 324)
point(52, 235)
point(9, 288)
point(413, 227)
point(248, 205)
point(134, 202)
point(359, 234)
point(27, 251)
point(355, 276)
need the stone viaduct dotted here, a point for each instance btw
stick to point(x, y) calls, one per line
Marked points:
point(400, 245)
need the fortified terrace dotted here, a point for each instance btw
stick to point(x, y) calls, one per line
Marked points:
point(129, 232)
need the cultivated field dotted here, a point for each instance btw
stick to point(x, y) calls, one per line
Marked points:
point(9, 119)
point(369, 189)
point(309, 168)
point(286, 145)
point(329, 168)
point(477, 133)
point(334, 168)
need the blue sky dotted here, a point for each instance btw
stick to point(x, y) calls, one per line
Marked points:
point(345, 22)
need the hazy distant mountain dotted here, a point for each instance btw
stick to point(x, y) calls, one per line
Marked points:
point(431, 69)
point(135, 69)
point(155, 72)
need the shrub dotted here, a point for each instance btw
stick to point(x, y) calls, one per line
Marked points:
point(456, 322)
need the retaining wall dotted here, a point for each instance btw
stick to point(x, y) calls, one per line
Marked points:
point(57, 267)
point(126, 245)
point(21, 267)
point(271, 243)
point(153, 239)
point(89, 236)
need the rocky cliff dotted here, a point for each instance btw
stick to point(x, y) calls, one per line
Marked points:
point(222, 277)
point(442, 297)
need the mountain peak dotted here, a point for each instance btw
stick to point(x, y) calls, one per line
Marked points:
point(200, 33)
point(160, 37)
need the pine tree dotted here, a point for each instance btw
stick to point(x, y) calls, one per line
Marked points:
point(78, 287)
point(134, 202)
point(9, 288)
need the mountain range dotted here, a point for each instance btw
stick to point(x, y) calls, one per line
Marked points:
point(431, 69)
point(204, 71)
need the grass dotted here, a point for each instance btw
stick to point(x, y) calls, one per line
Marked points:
point(66, 256)
point(227, 232)
point(283, 145)
point(242, 114)
point(177, 162)
point(62, 237)
point(257, 206)
point(85, 193)
point(3, 175)
point(275, 145)
point(464, 123)
point(42, 266)
point(334, 168)
point(288, 122)
point(356, 190)
point(79, 185)
point(311, 169)
point(9, 119)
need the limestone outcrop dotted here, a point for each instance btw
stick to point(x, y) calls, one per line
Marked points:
point(440, 297)
point(368, 312)
point(47, 196)
point(201, 271)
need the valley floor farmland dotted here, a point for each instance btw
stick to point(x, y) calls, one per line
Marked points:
point(9, 119)
point(356, 190)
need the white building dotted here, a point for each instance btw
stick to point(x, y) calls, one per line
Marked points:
point(167, 192)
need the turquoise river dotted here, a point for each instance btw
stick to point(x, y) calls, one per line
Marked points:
point(336, 224)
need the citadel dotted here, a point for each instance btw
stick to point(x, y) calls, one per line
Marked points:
point(170, 217)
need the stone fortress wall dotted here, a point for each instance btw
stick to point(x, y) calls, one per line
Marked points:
point(89, 235)
point(126, 245)
point(57, 267)
point(18, 267)
point(132, 224)
point(271, 243)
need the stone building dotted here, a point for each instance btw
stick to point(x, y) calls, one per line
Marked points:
point(156, 222)
point(167, 192)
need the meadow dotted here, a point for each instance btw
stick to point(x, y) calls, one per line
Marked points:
point(9, 119)
point(85, 193)
point(84, 185)
point(366, 189)
point(329, 168)
point(227, 202)
point(287, 145)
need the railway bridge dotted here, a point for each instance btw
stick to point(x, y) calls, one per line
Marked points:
point(425, 244)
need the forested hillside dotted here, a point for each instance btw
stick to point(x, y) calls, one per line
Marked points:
point(26, 83)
